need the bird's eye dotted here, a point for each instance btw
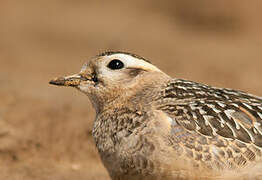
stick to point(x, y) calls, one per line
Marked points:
point(115, 64)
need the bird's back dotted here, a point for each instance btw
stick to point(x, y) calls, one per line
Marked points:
point(213, 128)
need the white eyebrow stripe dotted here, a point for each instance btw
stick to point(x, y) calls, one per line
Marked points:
point(131, 61)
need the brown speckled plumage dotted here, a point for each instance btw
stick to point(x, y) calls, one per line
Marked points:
point(150, 126)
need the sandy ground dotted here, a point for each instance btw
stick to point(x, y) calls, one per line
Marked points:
point(45, 131)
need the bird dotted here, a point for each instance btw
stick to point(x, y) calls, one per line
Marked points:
point(149, 125)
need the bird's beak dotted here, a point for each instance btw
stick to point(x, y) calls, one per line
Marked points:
point(73, 80)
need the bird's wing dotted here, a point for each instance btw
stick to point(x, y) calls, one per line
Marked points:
point(214, 112)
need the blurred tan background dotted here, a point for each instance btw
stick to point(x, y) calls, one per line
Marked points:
point(45, 131)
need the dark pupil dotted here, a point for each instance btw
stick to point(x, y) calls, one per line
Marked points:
point(116, 64)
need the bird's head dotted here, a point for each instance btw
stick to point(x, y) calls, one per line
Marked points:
point(112, 75)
